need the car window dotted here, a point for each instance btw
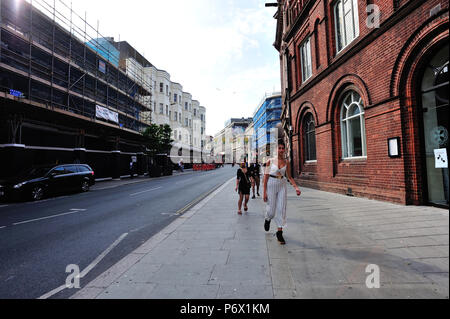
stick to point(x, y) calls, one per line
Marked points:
point(72, 169)
point(58, 171)
point(83, 169)
point(34, 172)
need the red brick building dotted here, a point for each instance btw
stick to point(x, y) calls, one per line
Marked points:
point(365, 96)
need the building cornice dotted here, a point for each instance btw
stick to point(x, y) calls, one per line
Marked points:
point(298, 21)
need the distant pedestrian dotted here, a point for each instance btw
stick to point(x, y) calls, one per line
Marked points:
point(243, 185)
point(275, 191)
point(181, 165)
point(255, 169)
point(132, 169)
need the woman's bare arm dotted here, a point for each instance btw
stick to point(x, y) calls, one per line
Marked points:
point(266, 180)
point(291, 179)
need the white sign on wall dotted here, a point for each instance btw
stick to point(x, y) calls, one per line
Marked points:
point(441, 158)
point(106, 114)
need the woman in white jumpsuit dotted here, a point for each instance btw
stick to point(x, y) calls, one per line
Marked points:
point(275, 191)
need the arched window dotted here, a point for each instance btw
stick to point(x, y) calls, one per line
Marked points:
point(309, 136)
point(353, 126)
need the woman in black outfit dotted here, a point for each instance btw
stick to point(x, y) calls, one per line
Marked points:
point(243, 184)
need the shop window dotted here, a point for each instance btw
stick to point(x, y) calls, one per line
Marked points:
point(435, 124)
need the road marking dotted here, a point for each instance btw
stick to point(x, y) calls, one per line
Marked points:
point(72, 211)
point(1, 227)
point(3, 206)
point(150, 190)
point(99, 258)
point(88, 268)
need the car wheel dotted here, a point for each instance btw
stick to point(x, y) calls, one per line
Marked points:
point(85, 186)
point(37, 193)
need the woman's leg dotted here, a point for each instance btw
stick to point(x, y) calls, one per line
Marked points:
point(258, 183)
point(281, 216)
point(247, 199)
point(281, 205)
point(241, 198)
point(271, 200)
point(253, 188)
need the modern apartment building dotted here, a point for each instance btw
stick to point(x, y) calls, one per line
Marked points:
point(186, 117)
point(265, 131)
point(230, 143)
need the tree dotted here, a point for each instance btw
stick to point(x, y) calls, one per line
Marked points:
point(158, 139)
point(166, 140)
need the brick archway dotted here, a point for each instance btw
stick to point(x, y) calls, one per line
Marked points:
point(305, 108)
point(405, 84)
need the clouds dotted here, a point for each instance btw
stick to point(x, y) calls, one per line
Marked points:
point(203, 44)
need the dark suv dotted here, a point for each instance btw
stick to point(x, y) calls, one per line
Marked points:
point(38, 182)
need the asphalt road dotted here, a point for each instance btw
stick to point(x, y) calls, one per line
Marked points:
point(39, 240)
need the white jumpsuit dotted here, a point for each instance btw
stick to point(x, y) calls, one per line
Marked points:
point(277, 197)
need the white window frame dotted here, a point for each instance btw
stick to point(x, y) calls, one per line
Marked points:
point(345, 128)
point(306, 60)
point(341, 24)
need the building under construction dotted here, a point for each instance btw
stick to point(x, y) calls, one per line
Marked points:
point(68, 94)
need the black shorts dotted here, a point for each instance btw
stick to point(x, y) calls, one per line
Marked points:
point(244, 190)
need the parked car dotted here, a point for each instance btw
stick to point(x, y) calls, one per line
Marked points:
point(39, 182)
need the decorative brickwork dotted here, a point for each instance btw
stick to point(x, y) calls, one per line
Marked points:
point(384, 66)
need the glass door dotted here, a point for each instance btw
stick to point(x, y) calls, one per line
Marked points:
point(435, 86)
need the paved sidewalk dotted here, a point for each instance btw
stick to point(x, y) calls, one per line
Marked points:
point(212, 253)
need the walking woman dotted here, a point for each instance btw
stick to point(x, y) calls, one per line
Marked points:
point(275, 190)
point(243, 184)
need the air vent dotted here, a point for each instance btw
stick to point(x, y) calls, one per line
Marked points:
point(350, 192)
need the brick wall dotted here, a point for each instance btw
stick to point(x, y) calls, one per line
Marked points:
point(380, 65)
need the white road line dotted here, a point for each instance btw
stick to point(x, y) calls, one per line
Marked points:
point(1, 227)
point(3, 206)
point(99, 258)
point(73, 211)
point(150, 190)
point(88, 268)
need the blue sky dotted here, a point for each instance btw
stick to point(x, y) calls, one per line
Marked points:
point(221, 51)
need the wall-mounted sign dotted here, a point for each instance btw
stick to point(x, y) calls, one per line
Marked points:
point(441, 158)
point(102, 66)
point(106, 114)
point(394, 147)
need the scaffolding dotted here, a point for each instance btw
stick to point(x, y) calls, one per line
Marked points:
point(52, 56)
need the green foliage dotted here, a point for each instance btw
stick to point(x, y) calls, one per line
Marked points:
point(157, 139)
